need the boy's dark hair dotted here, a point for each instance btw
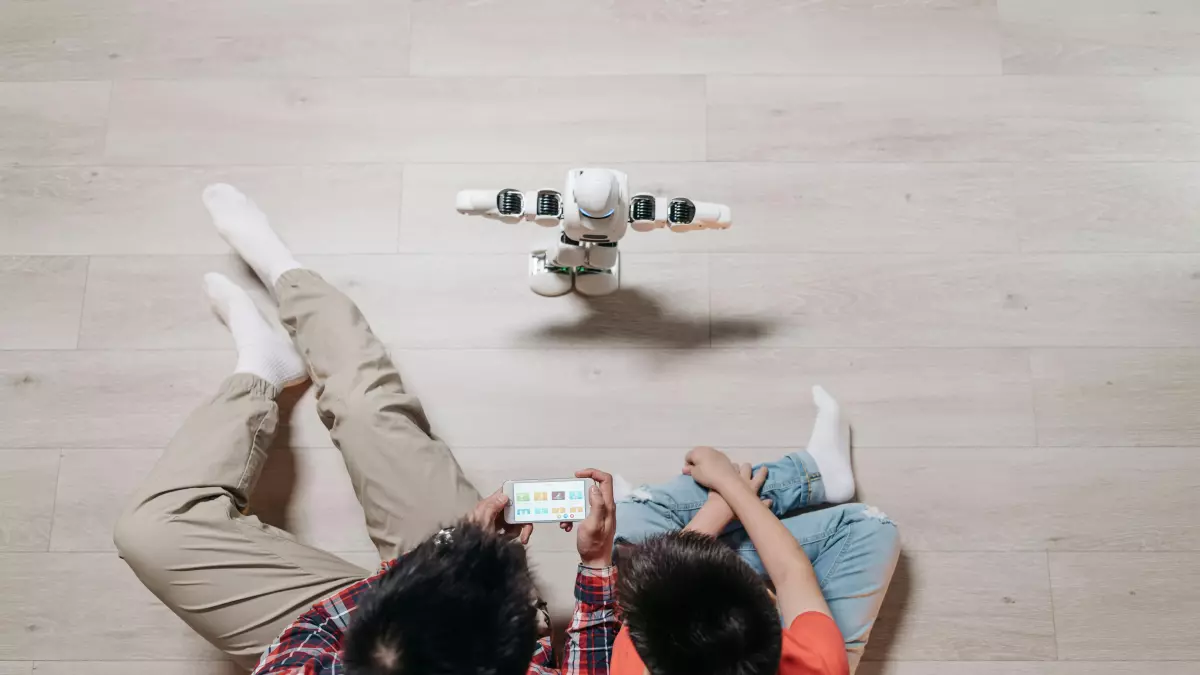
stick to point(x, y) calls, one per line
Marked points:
point(461, 604)
point(691, 606)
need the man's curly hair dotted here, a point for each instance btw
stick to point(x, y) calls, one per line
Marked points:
point(692, 606)
point(457, 605)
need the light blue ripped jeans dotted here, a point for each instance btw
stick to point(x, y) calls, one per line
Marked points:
point(853, 547)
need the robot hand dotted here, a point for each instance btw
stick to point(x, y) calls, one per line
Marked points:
point(647, 212)
point(544, 207)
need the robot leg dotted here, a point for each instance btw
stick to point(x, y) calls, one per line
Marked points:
point(602, 274)
point(552, 271)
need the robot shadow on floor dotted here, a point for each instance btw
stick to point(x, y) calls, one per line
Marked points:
point(634, 315)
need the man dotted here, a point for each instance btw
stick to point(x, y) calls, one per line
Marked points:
point(455, 599)
point(849, 550)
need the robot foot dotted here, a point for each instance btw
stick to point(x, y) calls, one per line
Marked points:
point(597, 282)
point(548, 280)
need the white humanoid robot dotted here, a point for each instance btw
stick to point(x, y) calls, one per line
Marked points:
point(592, 214)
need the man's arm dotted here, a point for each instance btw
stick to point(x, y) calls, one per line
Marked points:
point(796, 584)
point(594, 626)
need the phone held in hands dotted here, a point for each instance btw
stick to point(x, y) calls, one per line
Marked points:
point(546, 500)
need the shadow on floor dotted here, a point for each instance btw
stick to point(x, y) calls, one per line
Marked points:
point(273, 494)
point(892, 616)
point(634, 316)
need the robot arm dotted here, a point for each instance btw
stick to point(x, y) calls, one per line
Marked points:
point(647, 212)
point(544, 207)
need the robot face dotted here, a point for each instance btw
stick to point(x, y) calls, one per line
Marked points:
point(596, 193)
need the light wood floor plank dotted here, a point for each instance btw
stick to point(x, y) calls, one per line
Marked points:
point(1117, 397)
point(1035, 499)
point(425, 301)
point(962, 300)
point(42, 300)
point(76, 39)
point(138, 668)
point(94, 487)
point(724, 397)
point(1100, 37)
point(658, 36)
point(1025, 668)
point(27, 479)
point(107, 399)
point(1127, 606)
point(976, 119)
point(52, 122)
point(421, 119)
point(16, 667)
point(136, 210)
point(966, 606)
point(76, 606)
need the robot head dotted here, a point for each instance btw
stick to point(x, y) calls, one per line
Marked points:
point(597, 193)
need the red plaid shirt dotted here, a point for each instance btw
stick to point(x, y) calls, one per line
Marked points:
point(312, 644)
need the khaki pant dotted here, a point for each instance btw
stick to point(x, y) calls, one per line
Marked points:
point(237, 581)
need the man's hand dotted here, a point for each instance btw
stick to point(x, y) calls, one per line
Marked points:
point(596, 533)
point(489, 514)
point(710, 468)
point(715, 515)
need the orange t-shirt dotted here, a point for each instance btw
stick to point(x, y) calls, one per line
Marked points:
point(812, 645)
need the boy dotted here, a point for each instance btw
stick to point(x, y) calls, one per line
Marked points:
point(693, 601)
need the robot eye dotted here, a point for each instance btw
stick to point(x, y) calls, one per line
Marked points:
point(591, 215)
point(641, 207)
point(510, 202)
point(681, 211)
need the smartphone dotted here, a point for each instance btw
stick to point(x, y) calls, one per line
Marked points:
point(546, 500)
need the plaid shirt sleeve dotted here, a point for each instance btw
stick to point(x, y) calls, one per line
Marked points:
point(593, 628)
point(312, 644)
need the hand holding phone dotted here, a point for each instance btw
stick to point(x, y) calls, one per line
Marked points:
point(596, 533)
point(489, 513)
point(562, 500)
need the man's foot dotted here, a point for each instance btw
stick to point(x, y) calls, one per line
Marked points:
point(262, 350)
point(241, 223)
point(830, 447)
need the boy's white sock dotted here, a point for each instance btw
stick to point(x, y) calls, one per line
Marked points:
point(830, 447)
point(241, 223)
point(262, 350)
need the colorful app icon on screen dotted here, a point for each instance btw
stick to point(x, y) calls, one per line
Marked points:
point(542, 512)
point(558, 496)
point(539, 496)
point(576, 495)
point(522, 512)
point(523, 496)
point(576, 509)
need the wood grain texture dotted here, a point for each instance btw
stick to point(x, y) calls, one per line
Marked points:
point(1127, 606)
point(277, 121)
point(76, 39)
point(1036, 499)
point(893, 397)
point(658, 36)
point(16, 667)
point(53, 611)
point(1116, 397)
point(976, 119)
point(52, 122)
point(105, 210)
point(103, 399)
point(1100, 37)
point(94, 487)
point(964, 300)
point(42, 301)
point(138, 668)
point(27, 480)
point(428, 301)
point(966, 606)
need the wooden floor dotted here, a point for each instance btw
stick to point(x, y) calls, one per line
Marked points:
point(976, 222)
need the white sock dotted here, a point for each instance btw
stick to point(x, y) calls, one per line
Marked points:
point(830, 447)
point(262, 350)
point(241, 223)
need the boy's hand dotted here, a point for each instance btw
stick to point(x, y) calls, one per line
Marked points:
point(489, 514)
point(715, 515)
point(596, 533)
point(710, 468)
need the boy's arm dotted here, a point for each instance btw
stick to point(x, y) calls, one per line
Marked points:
point(795, 582)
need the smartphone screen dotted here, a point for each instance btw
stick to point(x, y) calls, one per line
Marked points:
point(539, 501)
